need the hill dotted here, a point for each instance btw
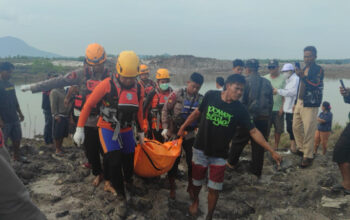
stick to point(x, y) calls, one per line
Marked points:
point(11, 46)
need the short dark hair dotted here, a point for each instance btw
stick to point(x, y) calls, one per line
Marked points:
point(312, 49)
point(327, 105)
point(6, 66)
point(235, 78)
point(220, 80)
point(197, 78)
point(237, 62)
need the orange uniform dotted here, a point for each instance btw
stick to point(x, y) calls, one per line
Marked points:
point(98, 95)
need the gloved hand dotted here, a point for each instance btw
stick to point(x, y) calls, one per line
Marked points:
point(25, 88)
point(141, 138)
point(79, 136)
point(165, 133)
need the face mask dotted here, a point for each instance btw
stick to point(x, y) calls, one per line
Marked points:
point(286, 75)
point(164, 86)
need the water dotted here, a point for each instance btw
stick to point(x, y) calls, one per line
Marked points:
point(34, 119)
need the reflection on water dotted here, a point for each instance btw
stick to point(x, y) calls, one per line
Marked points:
point(34, 118)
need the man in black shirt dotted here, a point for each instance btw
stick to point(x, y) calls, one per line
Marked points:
point(221, 113)
point(10, 112)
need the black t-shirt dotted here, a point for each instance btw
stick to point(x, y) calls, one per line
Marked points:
point(218, 124)
point(8, 102)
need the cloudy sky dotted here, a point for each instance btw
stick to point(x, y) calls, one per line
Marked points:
point(207, 28)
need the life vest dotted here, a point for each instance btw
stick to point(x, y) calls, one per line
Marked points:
point(189, 104)
point(158, 101)
point(79, 100)
point(148, 86)
point(120, 106)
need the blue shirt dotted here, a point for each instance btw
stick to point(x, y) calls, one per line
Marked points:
point(328, 117)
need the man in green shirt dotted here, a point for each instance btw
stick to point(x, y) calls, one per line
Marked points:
point(277, 117)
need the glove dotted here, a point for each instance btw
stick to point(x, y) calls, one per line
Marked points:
point(25, 88)
point(141, 138)
point(165, 133)
point(79, 136)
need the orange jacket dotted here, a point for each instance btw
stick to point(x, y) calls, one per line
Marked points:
point(96, 96)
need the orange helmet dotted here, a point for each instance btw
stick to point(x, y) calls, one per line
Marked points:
point(95, 54)
point(144, 69)
point(162, 74)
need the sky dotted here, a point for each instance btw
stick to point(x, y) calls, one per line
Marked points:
point(224, 29)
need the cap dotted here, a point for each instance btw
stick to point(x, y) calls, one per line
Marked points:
point(287, 67)
point(252, 63)
point(273, 63)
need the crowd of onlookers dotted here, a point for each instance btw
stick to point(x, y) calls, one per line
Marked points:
point(106, 107)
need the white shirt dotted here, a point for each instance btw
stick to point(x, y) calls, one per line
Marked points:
point(289, 93)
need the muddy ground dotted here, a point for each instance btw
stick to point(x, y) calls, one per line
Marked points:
point(62, 189)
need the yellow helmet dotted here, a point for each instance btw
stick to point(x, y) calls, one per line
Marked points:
point(144, 69)
point(162, 74)
point(95, 54)
point(128, 64)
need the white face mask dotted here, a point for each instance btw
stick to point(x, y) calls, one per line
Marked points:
point(286, 75)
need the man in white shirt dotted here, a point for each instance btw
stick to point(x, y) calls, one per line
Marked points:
point(290, 94)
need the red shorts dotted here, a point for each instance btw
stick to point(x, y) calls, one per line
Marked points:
point(213, 167)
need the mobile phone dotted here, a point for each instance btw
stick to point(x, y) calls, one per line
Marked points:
point(297, 65)
point(342, 83)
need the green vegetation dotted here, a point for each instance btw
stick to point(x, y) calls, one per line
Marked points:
point(30, 69)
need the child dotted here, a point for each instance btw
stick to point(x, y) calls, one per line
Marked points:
point(324, 127)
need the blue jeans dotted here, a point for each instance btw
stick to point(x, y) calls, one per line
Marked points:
point(48, 127)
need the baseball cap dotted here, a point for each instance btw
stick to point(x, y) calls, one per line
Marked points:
point(252, 63)
point(273, 63)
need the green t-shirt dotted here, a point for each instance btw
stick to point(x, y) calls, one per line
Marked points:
point(277, 83)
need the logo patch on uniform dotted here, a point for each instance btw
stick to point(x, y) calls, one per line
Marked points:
point(129, 96)
point(166, 98)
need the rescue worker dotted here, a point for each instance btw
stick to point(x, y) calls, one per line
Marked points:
point(83, 81)
point(154, 104)
point(121, 98)
point(180, 105)
point(148, 84)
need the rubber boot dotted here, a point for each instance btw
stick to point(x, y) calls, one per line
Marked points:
point(190, 189)
point(172, 187)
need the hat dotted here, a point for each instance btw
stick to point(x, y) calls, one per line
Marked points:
point(252, 63)
point(287, 67)
point(273, 63)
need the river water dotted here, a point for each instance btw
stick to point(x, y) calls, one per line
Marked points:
point(34, 118)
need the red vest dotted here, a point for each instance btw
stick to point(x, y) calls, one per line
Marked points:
point(158, 101)
point(79, 100)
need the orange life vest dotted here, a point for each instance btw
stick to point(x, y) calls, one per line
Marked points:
point(158, 101)
point(79, 100)
point(121, 105)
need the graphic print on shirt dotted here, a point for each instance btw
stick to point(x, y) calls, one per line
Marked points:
point(218, 117)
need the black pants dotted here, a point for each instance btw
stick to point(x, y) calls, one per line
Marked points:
point(48, 127)
point(119, 167)
point(289, 121)
point(158, 135)
point(241, 139)
point(93, 149)
point(341, 153)
point(187, 146)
